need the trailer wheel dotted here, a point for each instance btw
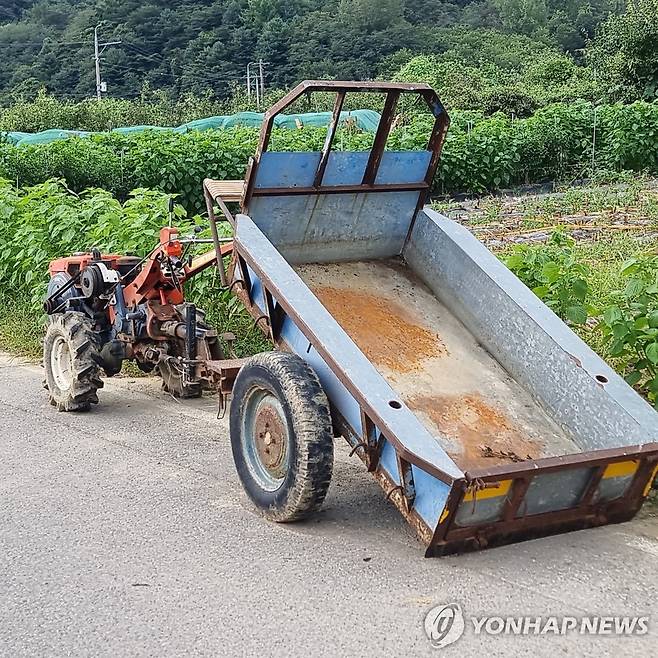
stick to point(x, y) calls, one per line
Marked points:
point(71, 354)
point(281, 436)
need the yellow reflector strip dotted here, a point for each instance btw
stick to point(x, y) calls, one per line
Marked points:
point(620, 469)
point(444, 515)
point(647, 489)
point(500, 489)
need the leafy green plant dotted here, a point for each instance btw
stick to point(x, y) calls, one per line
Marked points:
point(481, 154)
point(591, 200)
point(47, 221)
point(624, 52)
point(46, 112)
point(630, 327)
point(554, 274)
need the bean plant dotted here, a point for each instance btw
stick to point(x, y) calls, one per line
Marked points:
point(481, 154)
point(554, 274)
point(630, 327)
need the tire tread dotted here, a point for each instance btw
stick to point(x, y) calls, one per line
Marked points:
point(311, 420)
point(84, 345)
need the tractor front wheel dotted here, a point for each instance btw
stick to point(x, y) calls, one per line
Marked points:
point(70, 358)
point(281, 435)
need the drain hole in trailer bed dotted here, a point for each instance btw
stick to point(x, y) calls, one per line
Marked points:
point(395, 404)
point(601, 378)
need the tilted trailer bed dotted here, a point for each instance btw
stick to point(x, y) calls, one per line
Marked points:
point(484, 418)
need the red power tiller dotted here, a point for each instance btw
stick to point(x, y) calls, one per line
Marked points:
point(106, 308)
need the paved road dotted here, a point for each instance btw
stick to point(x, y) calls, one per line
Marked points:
point(125, 532)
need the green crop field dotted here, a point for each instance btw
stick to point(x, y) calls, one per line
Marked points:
point(591, 254)
point(560, 95)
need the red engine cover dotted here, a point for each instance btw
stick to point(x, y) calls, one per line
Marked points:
point(73, 264)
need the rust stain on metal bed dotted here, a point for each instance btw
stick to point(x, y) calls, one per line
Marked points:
point(485, 435)
point(383, 329)
point(473, 408)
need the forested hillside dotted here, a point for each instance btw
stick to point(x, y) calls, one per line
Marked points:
point(190, 46)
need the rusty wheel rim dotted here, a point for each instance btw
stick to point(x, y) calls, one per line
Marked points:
point(265, 438)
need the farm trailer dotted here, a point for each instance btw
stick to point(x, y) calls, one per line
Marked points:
point(484, 418)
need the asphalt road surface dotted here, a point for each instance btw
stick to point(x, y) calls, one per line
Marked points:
point(125, 532)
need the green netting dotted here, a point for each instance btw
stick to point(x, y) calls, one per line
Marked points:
point(44, 137)
point(13, 138)
point(129, 130)
point(366, 120)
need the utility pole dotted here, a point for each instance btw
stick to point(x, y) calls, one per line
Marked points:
point(256, 89)
point(262, 79)
point(97, 59)
point(248, 83)
point(99, 49)
point(259, 81)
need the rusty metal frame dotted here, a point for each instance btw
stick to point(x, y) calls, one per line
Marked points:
point(549, 464)
point(331, 133)
point(393, 91)
point(210, 200)
point(225, 372)
point(370, 458)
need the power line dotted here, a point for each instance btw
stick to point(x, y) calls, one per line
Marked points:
point(177, 73)
point(99, 49)
point(206, 77)
point(49, 42)
point(125, 68)
point(183, 68)
point(143, 53)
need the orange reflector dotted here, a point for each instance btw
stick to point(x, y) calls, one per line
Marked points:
point(620, 469)
point(498, 489)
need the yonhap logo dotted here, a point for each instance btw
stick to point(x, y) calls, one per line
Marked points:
point(444, 624)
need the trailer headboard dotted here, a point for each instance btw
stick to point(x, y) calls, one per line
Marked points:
point(343, 205)
point(330, 225)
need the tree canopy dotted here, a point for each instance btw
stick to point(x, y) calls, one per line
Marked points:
point(625, 54)
point(204, 46)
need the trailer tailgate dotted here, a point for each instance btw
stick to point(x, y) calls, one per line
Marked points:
point(547, 496)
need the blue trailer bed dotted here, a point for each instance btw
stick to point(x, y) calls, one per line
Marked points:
point(484, 417)
point(471, 406)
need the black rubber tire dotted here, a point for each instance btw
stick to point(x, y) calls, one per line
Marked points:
point(77, 332)
point(310, 435)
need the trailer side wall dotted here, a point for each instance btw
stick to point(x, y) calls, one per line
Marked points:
point(573, 384)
